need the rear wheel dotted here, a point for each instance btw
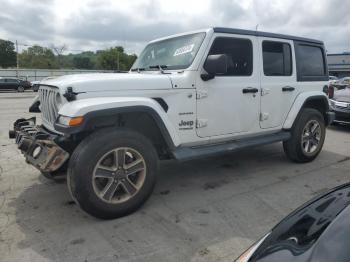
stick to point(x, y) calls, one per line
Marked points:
point(20, 89)
point(308, 135)
point(112, 173)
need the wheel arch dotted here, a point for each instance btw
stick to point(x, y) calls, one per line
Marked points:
point(317, 101)
point(142, 119)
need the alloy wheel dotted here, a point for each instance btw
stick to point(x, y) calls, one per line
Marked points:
point(119, 175)
point(311, 137)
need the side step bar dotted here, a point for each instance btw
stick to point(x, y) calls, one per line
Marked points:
point(188, 153)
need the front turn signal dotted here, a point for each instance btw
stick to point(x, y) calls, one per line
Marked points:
point(70, 121)
point(75, 121)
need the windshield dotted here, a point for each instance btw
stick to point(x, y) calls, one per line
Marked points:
point(174, 53)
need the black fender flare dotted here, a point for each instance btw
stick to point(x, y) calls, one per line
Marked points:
point(108, 117)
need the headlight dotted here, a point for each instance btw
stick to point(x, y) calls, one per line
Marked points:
point(331, 103)
point(70, 121)
point(250, 251)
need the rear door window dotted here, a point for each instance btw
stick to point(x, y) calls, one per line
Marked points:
point(277, 58)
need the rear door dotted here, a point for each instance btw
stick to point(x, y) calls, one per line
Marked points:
point(278, 81)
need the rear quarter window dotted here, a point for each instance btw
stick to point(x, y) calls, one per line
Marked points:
point(311, 62)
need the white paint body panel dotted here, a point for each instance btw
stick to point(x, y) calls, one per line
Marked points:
point(297, 105)
point(275, 104)
point(230, 114)
point(226, 109)
point(84, 106)
point(101, 82)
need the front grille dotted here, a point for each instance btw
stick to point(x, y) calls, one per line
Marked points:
point(48, 105)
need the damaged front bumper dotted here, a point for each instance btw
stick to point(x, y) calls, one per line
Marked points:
point(38, 145)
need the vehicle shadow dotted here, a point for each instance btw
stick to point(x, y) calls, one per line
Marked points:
point(204, 210)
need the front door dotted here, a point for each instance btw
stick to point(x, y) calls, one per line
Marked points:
point(230, 103)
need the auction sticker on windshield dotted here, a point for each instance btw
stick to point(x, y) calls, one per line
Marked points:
point(184, 50)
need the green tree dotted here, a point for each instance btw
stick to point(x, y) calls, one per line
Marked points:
point(38, 57)
point(114, 59)
point(82, 62)
point(7, 54)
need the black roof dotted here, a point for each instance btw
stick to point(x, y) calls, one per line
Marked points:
point(266, 34)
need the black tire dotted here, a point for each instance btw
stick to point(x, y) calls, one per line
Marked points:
point(294, 148)
point(88, 155)
point(20, 89)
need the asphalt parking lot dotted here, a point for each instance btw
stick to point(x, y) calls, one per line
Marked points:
point(204, 210)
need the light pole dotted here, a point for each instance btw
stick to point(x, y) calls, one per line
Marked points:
point(17, 64)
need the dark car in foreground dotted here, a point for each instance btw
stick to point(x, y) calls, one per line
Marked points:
point(318, 231)
point(339, 102)
point(14, 84)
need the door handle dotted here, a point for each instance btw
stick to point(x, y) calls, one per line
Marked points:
point(250, 90)
point(288, 89)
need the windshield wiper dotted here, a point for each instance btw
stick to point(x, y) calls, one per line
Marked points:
point(138, 69)
point(160, 67)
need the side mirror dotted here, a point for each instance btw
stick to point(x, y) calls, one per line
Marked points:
point(214, 65)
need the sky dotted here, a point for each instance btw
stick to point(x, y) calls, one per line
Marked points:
point(84, 25)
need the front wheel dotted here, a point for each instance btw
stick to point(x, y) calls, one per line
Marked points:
point(308, 135)
point(112, 172)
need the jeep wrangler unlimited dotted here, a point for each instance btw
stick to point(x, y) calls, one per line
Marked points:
point(190, 95)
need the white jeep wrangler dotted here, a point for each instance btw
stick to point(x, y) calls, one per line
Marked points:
point(187, 96)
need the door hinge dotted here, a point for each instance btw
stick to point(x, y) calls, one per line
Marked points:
point(264, 116)
point(201, 95)
point(201, 123)
point(265, 91)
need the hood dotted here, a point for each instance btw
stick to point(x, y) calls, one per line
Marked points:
point(342, 95)
point(98, 82)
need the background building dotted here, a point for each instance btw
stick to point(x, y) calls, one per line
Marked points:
point(339, 64)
